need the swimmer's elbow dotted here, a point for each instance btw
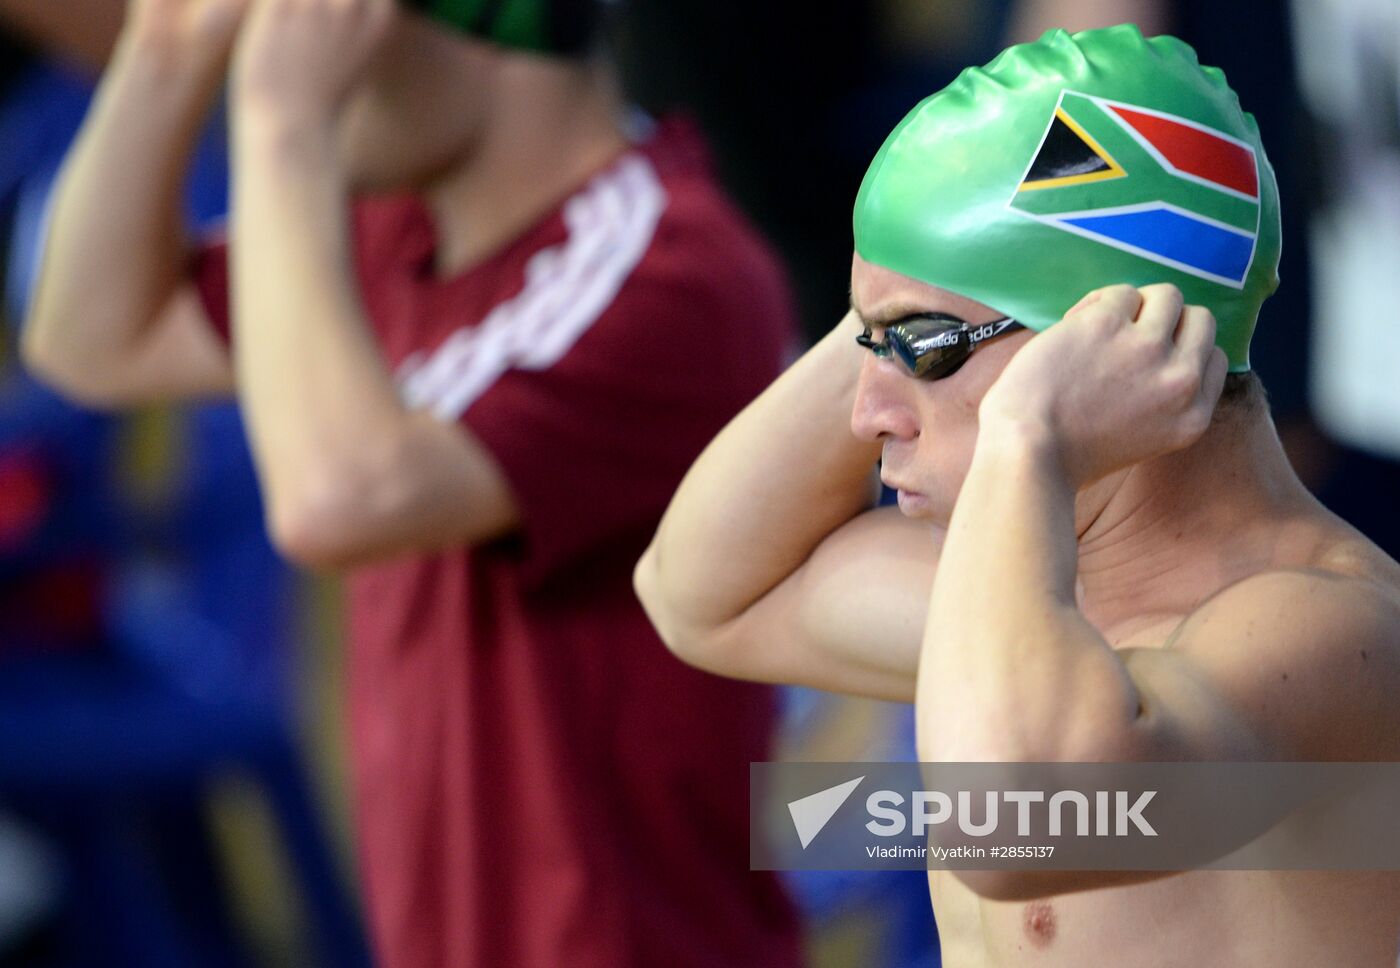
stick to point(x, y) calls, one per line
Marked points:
point(651, 592)
point(694, 643)
point(644, 579)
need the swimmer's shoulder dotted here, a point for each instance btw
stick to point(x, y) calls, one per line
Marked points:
point(1327, 588)
point(1336, 556)
point(1349, 554)
point(1308, 648)
point(1342, 561)
point(1343, 593)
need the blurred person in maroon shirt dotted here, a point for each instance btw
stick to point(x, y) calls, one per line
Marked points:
point(474, 388)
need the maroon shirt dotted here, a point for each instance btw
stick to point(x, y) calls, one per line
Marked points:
point(539, 783)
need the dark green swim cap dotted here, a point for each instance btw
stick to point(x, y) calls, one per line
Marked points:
point(560, 27)
point(1078, 162)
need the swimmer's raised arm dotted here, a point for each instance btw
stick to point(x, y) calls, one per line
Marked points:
point(769, 564)
point(1014, 671)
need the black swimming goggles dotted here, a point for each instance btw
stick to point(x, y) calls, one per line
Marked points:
point(934, 345)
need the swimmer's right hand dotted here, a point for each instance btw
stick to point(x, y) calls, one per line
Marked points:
point(1130, 374)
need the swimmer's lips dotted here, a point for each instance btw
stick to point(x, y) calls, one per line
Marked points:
point(896, 486)
point(912, 503)
point(910, 500)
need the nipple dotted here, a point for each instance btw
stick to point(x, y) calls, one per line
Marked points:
point(1038, 922)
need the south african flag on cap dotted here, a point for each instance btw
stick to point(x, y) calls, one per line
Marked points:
point(1159, 186)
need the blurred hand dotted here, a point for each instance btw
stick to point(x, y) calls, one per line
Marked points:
point(199, 32)
point(298, 59)
point(1128, 375)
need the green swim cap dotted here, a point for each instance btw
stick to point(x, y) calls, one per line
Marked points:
point(557, 27)
point(1078, 162)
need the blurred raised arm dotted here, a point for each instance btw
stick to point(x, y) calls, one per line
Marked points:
point(114, 319)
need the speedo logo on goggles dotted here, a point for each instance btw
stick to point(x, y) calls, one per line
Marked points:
point(1162, 187)
point(933, 345)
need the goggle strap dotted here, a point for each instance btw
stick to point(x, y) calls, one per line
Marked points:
point(979, 332)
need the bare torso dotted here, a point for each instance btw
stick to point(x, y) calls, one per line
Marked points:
point(1232, 919)
point(1237, 919)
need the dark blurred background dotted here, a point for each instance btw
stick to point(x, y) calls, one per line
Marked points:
point(171, 772)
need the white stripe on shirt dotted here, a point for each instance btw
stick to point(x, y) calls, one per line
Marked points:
point(611, 223)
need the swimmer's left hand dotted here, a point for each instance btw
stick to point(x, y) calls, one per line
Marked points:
point(1128, 375)
point(297, 60)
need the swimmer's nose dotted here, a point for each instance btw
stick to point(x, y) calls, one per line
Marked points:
point(883, 405)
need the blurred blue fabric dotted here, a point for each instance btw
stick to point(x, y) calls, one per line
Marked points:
point(894, 903)
point(109, 746)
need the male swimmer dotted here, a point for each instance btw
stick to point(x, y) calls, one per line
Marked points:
point(1100, 551)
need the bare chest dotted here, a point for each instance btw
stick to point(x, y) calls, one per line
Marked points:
point(1236, 918)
